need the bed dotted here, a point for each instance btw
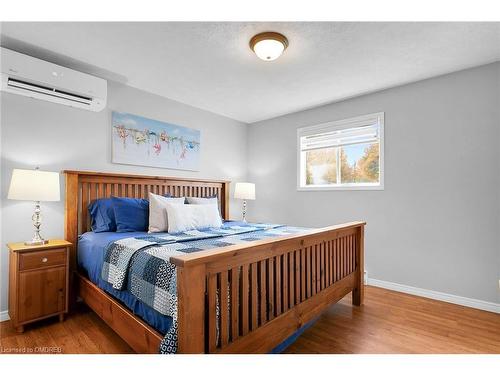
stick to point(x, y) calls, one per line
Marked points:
point(242, 298)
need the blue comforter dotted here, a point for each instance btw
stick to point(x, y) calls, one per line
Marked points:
point(91, 258)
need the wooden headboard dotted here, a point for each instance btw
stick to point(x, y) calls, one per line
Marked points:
point(83, 187)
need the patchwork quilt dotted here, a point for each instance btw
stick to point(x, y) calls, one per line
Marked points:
point(142, 264)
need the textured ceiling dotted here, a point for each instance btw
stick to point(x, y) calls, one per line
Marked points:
point(210, 66)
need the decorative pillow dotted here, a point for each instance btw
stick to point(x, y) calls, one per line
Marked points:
point(131, 214)
point(158, 220)
point(102, 215)
point(183, 217)
point(208, 200)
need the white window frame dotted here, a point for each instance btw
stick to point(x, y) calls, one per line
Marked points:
point(339, 125)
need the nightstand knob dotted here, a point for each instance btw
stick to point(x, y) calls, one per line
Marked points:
point(44, 260)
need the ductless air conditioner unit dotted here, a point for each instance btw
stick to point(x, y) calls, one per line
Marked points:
point(28, 76)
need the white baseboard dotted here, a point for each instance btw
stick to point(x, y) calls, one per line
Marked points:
point(4, 315)
point(451, 298)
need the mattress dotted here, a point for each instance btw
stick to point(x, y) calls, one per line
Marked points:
point(90, 259)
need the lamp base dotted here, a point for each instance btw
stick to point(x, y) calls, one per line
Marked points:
point(244, 211)
point(37, 242)
point(37, 222)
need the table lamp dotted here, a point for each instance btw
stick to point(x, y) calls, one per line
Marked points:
point(244, 190)
point(34, 185)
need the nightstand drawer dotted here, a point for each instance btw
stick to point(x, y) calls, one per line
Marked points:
point(40, 259)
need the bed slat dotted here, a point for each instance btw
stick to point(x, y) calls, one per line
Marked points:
point(263, 291)
point(212, 312)
point(284, 267)
point(254, 297)
point(291, 279)
point(224, 309)
point(244, 299)
point(271, 287)
point(277, 291)
point(235, 297)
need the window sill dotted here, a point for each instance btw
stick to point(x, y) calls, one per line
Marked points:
point(325, 188)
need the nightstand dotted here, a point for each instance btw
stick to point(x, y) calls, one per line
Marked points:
point(38, 281)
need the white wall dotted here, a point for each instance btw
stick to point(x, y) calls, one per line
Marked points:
point(436, 225)
point(56, 137)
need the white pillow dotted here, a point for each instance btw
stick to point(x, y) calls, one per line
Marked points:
point(157, 216)
point(184, 217)
point(197, 200)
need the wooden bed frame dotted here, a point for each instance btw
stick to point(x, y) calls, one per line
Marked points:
point(268, 288)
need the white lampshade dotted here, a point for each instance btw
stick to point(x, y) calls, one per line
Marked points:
point(34, 185)
point(244, 190)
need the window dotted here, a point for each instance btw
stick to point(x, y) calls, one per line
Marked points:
point(342, 155)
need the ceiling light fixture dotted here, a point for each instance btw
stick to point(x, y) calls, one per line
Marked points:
point(268, 46)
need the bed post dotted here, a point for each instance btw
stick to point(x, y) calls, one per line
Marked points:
point(225, 200)
point(71, 230)
point(191, 309)
point(358, 293)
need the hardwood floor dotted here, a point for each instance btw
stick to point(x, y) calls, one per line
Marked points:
point(392, 322)
point(82, 332)
point(389, 322)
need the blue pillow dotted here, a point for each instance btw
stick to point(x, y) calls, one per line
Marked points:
point(131, 214)
point(102, 215)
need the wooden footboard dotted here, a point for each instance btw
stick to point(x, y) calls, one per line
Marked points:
point(249, 298)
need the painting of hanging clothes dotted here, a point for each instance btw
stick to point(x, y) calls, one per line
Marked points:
point(138, 140)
